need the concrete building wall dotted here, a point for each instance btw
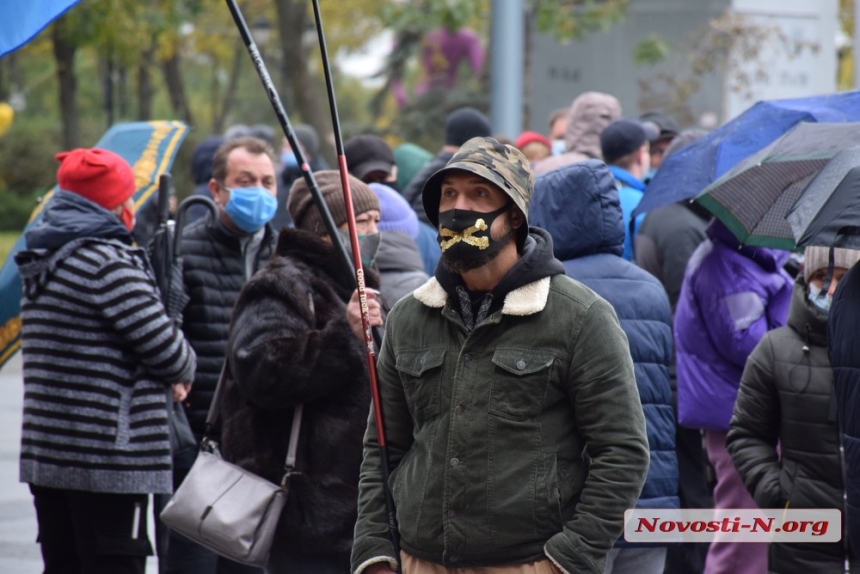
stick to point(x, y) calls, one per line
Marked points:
point(604, 61)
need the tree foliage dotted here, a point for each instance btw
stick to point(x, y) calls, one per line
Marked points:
point(183, 59)
point(421, 119)
point(739, 47)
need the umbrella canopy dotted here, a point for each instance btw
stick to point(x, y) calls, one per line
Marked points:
point(754, 198)
point(149, 148)
point(829, 211)
point(684, 174)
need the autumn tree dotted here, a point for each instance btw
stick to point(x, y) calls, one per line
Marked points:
point(421, 119)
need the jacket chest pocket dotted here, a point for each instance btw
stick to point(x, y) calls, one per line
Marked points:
point(421, 375)
point(519, 383)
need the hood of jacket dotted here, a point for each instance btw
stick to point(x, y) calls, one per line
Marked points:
point(589, 114)
point(578, 205)
point(69, 216)
point(808, 321)
point(397, 252)
point(626, 178)
point(69, 222)
point(768, 259)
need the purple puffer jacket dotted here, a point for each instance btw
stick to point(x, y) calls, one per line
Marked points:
point(731, 296)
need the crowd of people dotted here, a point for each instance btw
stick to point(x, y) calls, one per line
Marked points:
point(548, 360)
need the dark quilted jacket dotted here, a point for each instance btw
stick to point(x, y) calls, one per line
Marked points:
point(844, 348)
point(214, 272)
point(785, 395)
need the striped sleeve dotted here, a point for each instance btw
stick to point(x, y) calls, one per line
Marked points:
point(127, 297)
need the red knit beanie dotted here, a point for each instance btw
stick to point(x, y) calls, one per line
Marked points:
point(100, 175)
point(526, 138)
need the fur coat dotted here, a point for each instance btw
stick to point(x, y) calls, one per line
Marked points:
point(290, 344)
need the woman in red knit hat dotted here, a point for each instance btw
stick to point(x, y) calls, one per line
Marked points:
point(100, 354)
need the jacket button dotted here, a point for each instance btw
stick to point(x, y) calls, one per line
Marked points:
point(452, 513)
point(458, 410)
point(521, 364)
point(420, 363)
point(455, 461)
point(467, 357)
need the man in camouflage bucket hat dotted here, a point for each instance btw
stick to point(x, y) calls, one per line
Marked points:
point(503, 165)
point(514, 428)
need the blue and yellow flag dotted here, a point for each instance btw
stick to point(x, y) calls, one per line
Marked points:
point(24, 19)
point(149, 148)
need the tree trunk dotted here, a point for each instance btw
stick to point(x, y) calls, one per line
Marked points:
point(176, 88)
point(64, 54)
point(308, 103)
point(145, 89)
point(122, 92)
point(106, 68)
point(230, 93)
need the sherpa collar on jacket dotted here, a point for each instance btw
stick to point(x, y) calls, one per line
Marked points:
point(522, 301)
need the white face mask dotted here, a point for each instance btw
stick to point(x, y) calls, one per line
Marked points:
point(822, 303)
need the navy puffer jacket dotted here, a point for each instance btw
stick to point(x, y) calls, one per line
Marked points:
point(578, 205)
point(844, 350)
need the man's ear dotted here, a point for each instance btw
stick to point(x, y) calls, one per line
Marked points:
point(215, 190)
point(517, 217)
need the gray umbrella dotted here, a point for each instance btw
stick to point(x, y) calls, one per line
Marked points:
point(754, 198)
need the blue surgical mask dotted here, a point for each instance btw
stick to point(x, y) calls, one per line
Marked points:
point(288, 159)
point(822, 303)
point(558, 147)
point(250, 208)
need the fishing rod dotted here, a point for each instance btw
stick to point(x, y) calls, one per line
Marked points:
point(359, 275)
point(355, 266)
point(275, 100)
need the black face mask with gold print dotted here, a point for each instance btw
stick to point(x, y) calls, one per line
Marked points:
point(465, 235)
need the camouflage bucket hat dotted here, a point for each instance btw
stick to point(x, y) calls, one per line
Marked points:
point(501, 164)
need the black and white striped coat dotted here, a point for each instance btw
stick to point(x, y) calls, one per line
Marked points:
point(99, 352)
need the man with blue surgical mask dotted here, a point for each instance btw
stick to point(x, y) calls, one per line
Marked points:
point(219, 256)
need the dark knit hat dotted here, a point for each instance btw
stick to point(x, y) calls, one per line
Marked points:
point(366, 154)
point(667, 128)
point(307, 136)
point(100, 175)
point(464, 124)
point(305, 213)
point(624, 136)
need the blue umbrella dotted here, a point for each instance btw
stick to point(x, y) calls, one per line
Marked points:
point(689, 171)
point(149, 148)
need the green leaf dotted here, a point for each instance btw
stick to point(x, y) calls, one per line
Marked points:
point(651, 50)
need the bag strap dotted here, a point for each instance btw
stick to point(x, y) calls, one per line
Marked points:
point(214, 410)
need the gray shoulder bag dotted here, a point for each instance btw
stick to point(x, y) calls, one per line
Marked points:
point(226, 508)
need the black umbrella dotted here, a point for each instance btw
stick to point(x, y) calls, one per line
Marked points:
point(828, 213)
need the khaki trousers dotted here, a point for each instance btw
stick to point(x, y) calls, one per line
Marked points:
point(413, 565)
